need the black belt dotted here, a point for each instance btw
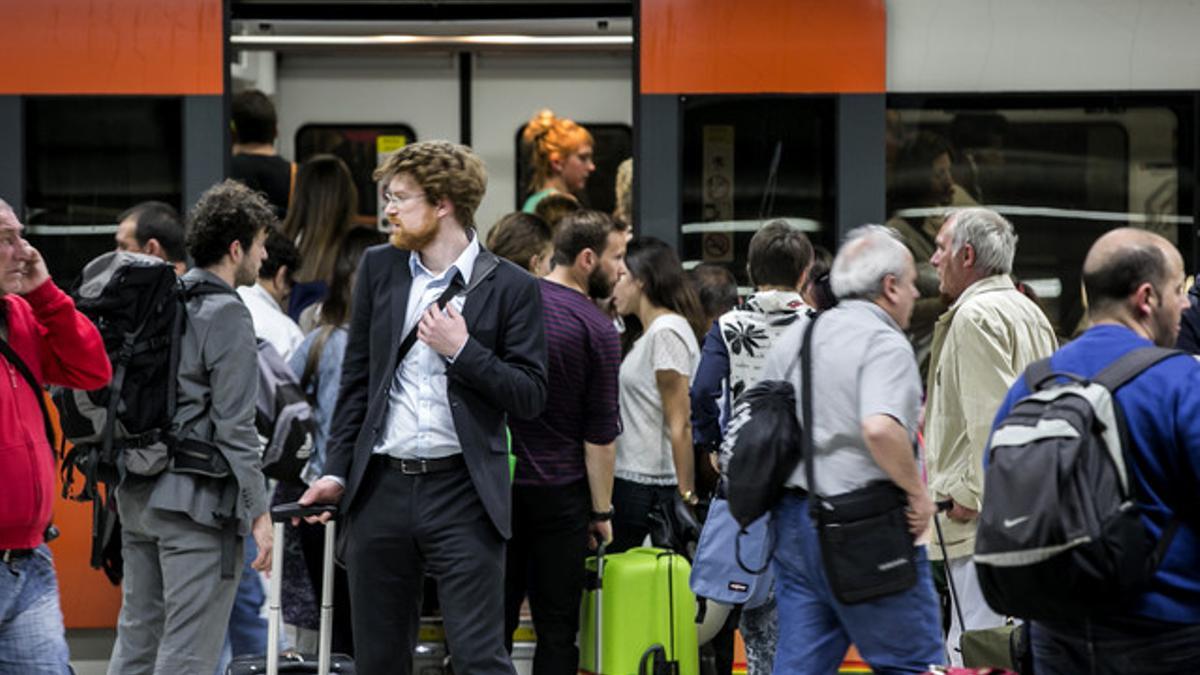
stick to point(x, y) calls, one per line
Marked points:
point(418, 467)
point(797, 492)
point(11, 554)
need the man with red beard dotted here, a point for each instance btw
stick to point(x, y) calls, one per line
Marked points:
point(446, 344)
point(564, 474)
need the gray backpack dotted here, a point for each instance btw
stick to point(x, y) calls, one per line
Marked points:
point(283, 417)
point(1060, 535)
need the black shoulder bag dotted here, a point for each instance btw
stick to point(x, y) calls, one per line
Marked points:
point(866, 548)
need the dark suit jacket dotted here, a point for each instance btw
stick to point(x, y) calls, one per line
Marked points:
point(501, 371)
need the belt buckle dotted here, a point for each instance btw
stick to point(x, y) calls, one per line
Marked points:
point(10, 555)
point(415, 466)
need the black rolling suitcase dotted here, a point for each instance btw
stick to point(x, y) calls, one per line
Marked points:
point(273, 663)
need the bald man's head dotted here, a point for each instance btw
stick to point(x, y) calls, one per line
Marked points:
point(1137, 275)
point(1122, 260)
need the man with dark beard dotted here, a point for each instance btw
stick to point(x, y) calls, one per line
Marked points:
point(185, 513)
point(562, 489)
point(446, 344)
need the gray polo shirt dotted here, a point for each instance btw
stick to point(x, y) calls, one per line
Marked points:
point(862, 366)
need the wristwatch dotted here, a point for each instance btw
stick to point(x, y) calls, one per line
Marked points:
point(690, 497)
point(602, 516)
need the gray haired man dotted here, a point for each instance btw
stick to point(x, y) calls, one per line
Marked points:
point(864, 424)
point(980, 345)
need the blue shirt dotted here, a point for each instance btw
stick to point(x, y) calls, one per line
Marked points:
point(1162, 412)
point(419, 423)
point(323, 389)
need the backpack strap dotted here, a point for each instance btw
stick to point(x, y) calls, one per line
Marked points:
point(1037, 375)
point(1129, 366)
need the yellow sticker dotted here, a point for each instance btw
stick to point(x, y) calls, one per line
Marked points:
point(386, 144)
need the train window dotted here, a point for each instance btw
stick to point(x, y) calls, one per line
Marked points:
point(1063, 170)
point(361, 147)
point(747, 160)
point(82, 171)
point(612, 144)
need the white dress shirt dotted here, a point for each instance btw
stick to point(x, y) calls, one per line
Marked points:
point(270, 323)
point(418, 421)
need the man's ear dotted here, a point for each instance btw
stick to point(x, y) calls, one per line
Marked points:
point(280, 278)
point(1142, 305)
point(891, 288)
point(588, 257)
point(154, 248)
point(970, 257)
point(235, 251)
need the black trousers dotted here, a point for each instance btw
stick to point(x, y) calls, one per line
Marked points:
point(545, 560)
point(632, 503)
point(402, 528)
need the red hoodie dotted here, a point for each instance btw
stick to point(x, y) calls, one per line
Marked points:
point(60, 346)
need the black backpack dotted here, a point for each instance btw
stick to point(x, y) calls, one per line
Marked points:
point(138, 305)
point(762, 446)
point(1060, 535)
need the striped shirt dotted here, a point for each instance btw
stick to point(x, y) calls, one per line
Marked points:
point(584, 357)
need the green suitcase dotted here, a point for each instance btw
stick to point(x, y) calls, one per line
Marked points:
point(638, 609)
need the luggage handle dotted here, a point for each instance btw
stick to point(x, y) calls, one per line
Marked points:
point(280, 516)
point(599, 606)
point(285, 512)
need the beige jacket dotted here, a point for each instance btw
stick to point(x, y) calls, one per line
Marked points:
point(980, 346)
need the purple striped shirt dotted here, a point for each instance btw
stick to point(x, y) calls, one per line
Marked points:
point(584, 358)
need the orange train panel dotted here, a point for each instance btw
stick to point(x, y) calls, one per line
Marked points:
point(88, 599)
point(763, 46)
point(112, 47)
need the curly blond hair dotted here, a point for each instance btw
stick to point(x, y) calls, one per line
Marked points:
point(551, 138)
point(441, 169)
point(623, 213)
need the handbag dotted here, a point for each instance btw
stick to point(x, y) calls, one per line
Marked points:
point(1004, 646)
point(673, 526)
point(866, 549)
point(732, 565)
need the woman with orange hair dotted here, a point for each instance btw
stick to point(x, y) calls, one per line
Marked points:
point(561, 152)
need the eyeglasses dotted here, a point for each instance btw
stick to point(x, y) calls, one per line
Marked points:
point(397, 200)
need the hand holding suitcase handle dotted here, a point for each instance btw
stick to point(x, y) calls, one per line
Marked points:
point(295, 510)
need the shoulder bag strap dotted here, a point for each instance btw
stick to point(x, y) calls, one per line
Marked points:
point(808, 448)
point(454, 289)
point(27, 375)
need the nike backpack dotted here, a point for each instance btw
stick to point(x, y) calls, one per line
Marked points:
point(1060, 535)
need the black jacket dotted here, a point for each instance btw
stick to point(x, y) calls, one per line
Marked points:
point(1189, 325)
point(501, 371)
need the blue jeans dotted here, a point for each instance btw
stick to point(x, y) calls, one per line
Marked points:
point(32, 638)
point(1090, 649)
point(899, 633)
